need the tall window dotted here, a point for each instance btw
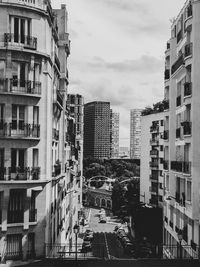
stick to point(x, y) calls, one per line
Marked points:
point(19, 73)
point(16, 206)
point(21, 28)
point(35, 115)
point(17, 159)
point(1, 116)
point(14, 246)
point(18, 117)
point(189, 190)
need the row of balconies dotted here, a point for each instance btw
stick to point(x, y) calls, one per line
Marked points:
point(19, 173)
point(181, 59)
point(17, 216)
point(16, 86)
point(20, 130)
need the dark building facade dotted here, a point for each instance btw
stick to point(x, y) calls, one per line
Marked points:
point(97, 129)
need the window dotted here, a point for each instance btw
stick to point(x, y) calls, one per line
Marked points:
point(19, 73)
point(18, 117)
point(21, 28)
point(189, 190)
point(14, 247)
point(2, 69)
point(35, 115)
point(17, 159)
point(1, 163)
point(16, 206)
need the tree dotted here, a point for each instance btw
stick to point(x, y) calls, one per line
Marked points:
point(117, 197)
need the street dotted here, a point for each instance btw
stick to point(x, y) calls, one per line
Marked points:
point(105, 237)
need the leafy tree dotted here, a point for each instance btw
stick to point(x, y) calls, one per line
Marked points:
point(117, 197)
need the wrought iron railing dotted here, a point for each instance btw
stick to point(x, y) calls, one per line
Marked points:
point(179, 62)
point(16, 39)
point(19, 129)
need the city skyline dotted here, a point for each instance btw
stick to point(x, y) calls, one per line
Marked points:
point(124, 40)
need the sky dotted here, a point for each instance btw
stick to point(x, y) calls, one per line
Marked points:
point(117, 52)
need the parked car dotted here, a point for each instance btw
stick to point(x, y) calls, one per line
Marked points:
point(102, 220)
point(125, 240)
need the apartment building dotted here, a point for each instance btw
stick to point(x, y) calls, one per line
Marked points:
point(38, 162)
point(97, 129)
point(182, 139)
point(152, 154)
point(114, 134)
point(135, 133)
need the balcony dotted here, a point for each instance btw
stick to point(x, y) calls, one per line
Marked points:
point(153, 164)
point(171, 224)
point(154, 128)
point(153, 189)
point(154, 141)
point(178, 101)
point(33, 215)
point(55, 134)
point(178, 133)
point(181, 166)
point(167, 74)
point(28, 42)
point(21, 87)
point(15, 216)
point(187, 89)
point(154, 177)
point(187, 127)
point(22, 174)
point(188, 50)
point(19, 130)
point(166, 165)
point(166, 135)
point(154, 153)
point(179, 62)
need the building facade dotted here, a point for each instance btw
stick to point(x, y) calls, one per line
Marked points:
point(38, 177)
point(135, 133)
point(152, 154)
point(114, 134)
point(182, 126)
point(97, 129)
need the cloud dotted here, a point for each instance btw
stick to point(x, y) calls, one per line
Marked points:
point(145, 64)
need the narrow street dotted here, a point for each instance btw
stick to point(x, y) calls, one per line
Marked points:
point(105, 237)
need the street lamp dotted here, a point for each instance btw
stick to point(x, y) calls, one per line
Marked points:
point(76, 231)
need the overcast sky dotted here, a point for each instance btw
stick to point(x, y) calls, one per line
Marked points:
point(117, 52)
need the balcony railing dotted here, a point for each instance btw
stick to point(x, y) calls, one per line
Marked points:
point(178, 133)
point(167, 74)
point(188, 50)
point(16, 86)
point(181, 166)
point(187, 89)
point(166, 135)
point(55, 134)
point(179, 62)
point(26, 41)
point(178, 101)
point(153, 164)
point(21, 130)
point(25, 173)
point(187, 127)
point(154, 177)
point(15, 216)
point(154, 153)
point(33, 215)
point(166, 165)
